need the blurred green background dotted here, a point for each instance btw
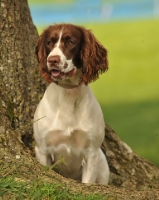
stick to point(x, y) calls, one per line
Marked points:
point(129, 92)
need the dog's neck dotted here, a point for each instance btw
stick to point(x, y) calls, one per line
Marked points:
point(67, 85)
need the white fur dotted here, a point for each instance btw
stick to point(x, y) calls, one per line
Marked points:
point(60, 35)
point(57, 51)
point(69, 123)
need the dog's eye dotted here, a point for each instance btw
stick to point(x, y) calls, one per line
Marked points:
point(50, 42)
point(70, 42)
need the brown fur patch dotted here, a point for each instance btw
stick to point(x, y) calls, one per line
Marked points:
point(77, 139)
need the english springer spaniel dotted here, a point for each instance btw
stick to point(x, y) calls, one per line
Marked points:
point(69, 127)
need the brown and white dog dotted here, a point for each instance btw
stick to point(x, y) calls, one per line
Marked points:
point(69, 123)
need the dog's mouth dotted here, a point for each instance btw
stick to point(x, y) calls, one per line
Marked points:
point(55, 73)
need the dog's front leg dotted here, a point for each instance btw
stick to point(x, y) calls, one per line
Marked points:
point(90, 168)
point(43, 158)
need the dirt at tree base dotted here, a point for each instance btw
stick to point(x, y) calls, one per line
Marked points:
point(16, 160)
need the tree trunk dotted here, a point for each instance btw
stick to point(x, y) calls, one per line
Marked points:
point(128, 170)
point(20, 91)
point(22, 84)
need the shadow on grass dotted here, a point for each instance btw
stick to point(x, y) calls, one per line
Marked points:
point(138, 125)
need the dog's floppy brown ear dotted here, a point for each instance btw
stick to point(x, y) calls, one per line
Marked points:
point(93, 56)
point(37, 50)
point(40, 51)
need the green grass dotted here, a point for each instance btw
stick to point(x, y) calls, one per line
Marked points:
point(11, 188)
point(129, 91)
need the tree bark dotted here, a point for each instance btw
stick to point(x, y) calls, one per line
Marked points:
point(21, 88)
point(22, 84)
point(128, 170)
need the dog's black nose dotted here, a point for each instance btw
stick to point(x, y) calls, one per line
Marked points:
point(54, 60)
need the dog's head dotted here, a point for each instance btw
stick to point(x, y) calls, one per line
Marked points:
point(67, 51)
